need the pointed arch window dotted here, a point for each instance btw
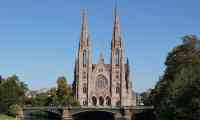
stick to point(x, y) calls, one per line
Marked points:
point(85, 58)
point(85, 88)
point(101, 82)
point(118, 88)
point(117, 58)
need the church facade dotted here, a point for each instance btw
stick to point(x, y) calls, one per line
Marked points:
point(102, 84)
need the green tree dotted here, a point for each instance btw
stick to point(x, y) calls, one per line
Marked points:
point(40, 100)
point(185, 93)
point(60, 96)
point(64, 93)
point(145, 97)
point(1, 79)
point(170, 95)
point(62, 89)
point(12, 111)
point(11, 92)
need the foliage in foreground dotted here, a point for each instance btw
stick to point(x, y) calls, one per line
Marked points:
point(176, 96)
point(5, 117)
point(12, 111)
point(12, 95)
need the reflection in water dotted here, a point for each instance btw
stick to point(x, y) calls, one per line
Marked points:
point(42, 116)
point(42, 119)
point(94, 115)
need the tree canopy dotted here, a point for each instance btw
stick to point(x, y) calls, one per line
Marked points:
point(59, 96)
point(11, 92)
point(176, 95)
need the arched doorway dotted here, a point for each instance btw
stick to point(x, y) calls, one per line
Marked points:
point(94, 101)
point(108, 101)
point(101, 101)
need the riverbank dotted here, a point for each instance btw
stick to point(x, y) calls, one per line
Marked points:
point(5, 117)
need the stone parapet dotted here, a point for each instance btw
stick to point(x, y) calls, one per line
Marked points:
point(66, 115)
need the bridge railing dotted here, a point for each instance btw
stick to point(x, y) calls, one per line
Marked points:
point(86, 107)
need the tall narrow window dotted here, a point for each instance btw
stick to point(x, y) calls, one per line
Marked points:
point(118, 88)
point(84, 88)
point(85, 56)
point(117, 57)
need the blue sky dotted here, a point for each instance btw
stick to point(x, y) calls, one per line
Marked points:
point(39, 38)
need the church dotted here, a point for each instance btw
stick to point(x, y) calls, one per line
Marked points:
point(101, 84)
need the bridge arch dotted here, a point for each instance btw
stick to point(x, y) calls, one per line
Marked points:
point(44, 113)
point(94, 115)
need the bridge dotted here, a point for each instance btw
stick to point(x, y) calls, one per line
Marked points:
point(77, 113)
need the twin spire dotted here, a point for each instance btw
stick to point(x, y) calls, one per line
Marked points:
point(116, 38)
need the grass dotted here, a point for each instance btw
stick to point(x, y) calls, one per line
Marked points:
point(5, 117)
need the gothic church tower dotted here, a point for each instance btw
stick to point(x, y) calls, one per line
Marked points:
point(102, 84)
point(117, 63)
point(83, 66)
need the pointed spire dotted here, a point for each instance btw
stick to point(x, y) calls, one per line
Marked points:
point(116, 30)
point(84, 31)
point(101, 58)
point(115, 9)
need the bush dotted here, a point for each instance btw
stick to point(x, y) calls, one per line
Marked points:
point(12, 111)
